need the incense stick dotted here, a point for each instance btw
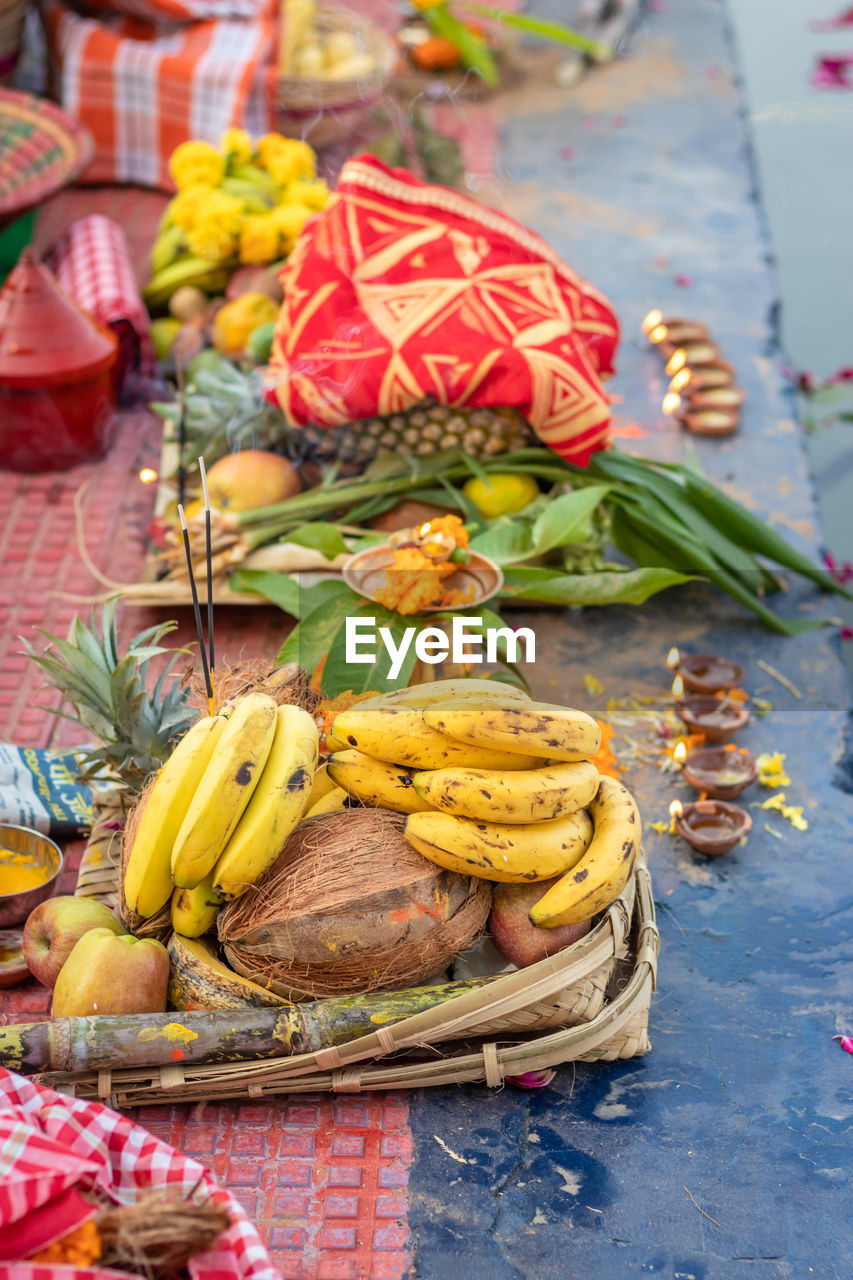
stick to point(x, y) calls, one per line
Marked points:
point(202, 646)
point(182, 434)
point(209, 558)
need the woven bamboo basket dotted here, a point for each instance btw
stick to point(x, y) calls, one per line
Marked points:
point(588, 1003)
point(41, 150)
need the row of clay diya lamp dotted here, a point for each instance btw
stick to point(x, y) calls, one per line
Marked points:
point(702, 392)
point(703, 700)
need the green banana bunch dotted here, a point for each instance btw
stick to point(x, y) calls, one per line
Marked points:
point(168, 246)
point(204, 273)
point(255, 199)
point(257, 176)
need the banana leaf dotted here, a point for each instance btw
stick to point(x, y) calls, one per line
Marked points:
point(545, 586)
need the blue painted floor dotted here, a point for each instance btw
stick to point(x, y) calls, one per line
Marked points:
point(725, 1152)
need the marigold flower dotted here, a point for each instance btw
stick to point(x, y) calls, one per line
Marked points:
point(260, 240)
point(237, 147)
point(189, 203)
point(193, 162)
point(210, 239)
point(311, 192)
point(287, 160)
point(290, 219)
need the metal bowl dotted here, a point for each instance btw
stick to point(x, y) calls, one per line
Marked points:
point(15, 907)
point(365, 573)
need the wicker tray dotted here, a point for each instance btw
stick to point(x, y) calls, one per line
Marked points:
point(588, 1003)
point(41, 150)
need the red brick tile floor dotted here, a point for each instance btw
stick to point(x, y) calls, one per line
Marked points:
point(324, 1178)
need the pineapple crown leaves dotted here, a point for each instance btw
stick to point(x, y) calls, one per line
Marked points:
point(110, 697)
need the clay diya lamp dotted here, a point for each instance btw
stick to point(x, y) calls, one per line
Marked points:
point(716, 718)
point(433, 544)
point(720, 773)
point(13, 966)
point(709, 374)
point(701, 351)
point(730, 398)
point(706, 673)
point(713, 826)
point(679, 332)
point(711, 422)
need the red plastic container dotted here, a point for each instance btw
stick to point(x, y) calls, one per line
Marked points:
point(57, 386)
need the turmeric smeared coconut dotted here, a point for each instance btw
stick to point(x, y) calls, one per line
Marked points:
point(350, 907)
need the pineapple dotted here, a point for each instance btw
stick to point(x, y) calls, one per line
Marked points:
point(225, 410)
point(137, 727)
point(422, 431)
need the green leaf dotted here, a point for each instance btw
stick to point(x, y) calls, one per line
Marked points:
point(319, 536)
point(279, 588)
point(339, 675)
point(756, 534)
point(505, 541)
point(459, 500)
point(473, 51)
point(567, 519)
point(545, 28)
point(579, 590)
point(371, 507)
point(311, 637)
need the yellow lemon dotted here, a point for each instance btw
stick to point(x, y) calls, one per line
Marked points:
point(503, 494)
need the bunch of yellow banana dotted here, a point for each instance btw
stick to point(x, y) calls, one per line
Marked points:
point(494, 785)
point(221, 809)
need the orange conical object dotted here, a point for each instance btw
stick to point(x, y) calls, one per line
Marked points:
point(57, 398)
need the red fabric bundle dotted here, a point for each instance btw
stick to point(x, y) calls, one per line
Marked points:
point(54, 1148)
point(401, 290)
point(91, 263)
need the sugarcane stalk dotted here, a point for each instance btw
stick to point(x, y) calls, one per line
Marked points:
point(108, 1041)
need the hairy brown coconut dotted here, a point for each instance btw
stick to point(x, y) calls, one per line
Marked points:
point(348, 907)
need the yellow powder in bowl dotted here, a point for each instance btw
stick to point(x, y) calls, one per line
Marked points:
point(20, 872)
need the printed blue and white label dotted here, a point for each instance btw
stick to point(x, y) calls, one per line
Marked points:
point(38, 789)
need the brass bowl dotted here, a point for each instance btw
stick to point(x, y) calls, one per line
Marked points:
point(365, 574)
point(15, 907)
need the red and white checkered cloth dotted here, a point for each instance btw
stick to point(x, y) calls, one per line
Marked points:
point(92, 265)
point(52, 1147)
point(146, 75)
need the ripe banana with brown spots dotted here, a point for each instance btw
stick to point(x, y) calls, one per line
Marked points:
point(277, 804)
point(529, 728)
point(375, 783)
point(225, 789)
point(424, 695)
point(499, 850)
point(400, 735)
point(604, 870)
point(528, 795)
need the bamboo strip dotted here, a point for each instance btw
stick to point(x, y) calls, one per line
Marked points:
point(618, 1030)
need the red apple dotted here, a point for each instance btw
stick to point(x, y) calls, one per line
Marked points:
point(54, 928)
point(109, 973)
point(512, 933)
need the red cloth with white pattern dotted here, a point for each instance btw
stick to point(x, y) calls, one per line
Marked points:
point(92, 265)
point(146, 75)
point(54, 1147)
point(399, 290)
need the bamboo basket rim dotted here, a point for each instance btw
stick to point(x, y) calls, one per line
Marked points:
point(617, 1031)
